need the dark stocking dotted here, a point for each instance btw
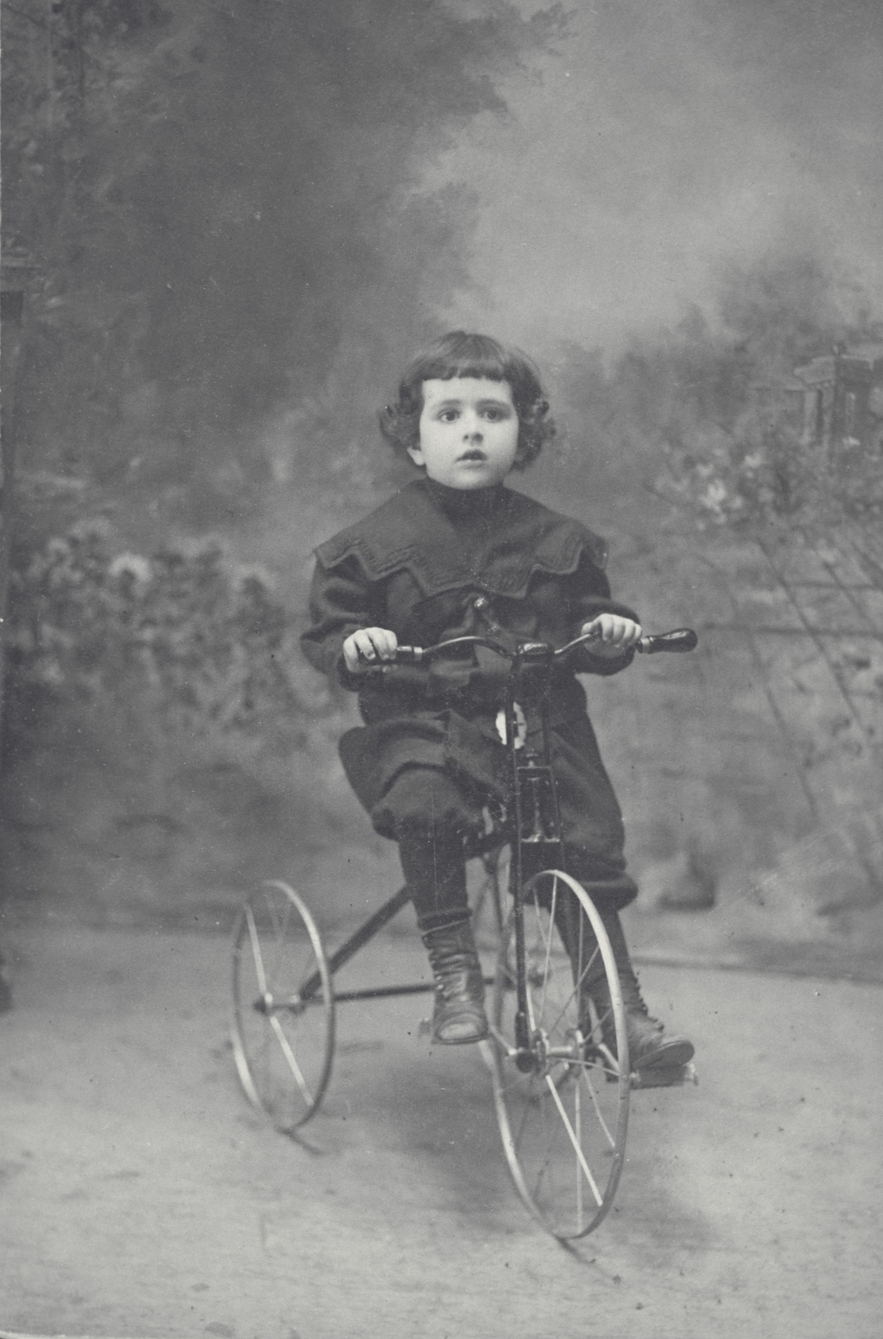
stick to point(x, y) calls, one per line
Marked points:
point(435, 872)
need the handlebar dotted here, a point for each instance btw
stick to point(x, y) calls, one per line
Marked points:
point(679, 640)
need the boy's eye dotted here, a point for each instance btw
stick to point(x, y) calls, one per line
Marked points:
point(448, 415)
point(494, 415)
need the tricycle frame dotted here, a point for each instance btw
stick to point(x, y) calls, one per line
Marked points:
point(555, 1073)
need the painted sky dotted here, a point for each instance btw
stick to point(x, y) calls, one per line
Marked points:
point(660, 140)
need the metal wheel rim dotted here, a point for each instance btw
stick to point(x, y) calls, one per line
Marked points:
point(245, 939)
point(593, 1193)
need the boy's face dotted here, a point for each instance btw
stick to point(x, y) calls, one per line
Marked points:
point(468, 432)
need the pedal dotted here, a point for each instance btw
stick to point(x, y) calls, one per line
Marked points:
point(664, 1077)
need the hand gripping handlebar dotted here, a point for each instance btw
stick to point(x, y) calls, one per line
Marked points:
point(679, 640)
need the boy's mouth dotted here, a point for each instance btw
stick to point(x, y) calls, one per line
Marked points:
point(472, 454)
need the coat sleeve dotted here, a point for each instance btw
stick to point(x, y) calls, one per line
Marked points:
point(341, 602)
point(589, 596)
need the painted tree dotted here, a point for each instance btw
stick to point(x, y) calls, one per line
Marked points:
point(226, 205)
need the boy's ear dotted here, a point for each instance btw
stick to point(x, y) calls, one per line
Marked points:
point(416, 454)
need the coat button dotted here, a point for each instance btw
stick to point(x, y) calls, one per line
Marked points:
point(480, 602)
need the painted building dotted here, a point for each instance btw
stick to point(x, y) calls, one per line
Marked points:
point(841, 397)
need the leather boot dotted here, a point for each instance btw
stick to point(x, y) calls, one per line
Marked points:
point(458, 1016)
point(650, 1047)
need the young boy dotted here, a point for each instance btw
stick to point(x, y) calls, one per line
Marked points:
point(456, 552)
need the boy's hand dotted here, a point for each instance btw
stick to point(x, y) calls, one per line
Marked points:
point(613, 634)
point(367, 646)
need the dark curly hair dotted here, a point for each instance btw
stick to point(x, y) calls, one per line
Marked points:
point(459, 354)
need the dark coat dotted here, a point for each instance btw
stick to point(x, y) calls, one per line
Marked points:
point(434, 563)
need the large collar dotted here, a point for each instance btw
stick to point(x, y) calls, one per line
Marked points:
point(414, 531)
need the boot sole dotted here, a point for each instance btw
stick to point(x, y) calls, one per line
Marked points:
point(460, 1041)
point(667, 1057)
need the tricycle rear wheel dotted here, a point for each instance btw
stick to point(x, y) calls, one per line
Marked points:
point(282, 1023)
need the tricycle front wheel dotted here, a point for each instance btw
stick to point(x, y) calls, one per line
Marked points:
point(562, 1101)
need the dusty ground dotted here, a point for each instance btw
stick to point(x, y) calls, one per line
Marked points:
point(143, 1197)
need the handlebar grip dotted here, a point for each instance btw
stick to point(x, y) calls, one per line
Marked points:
point(408, 655)
point(681, 639)
point(404, 655)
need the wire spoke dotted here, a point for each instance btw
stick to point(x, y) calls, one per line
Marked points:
point(256, 950)
point(581, 1159)
point(292, 1061)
